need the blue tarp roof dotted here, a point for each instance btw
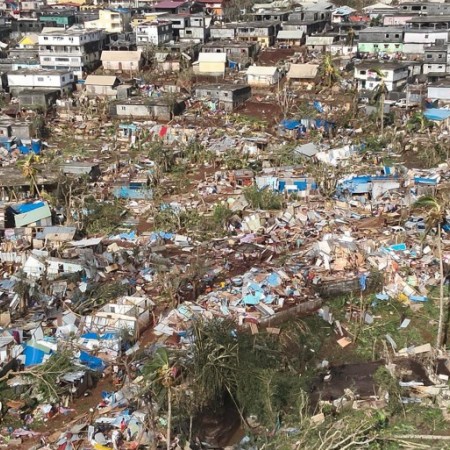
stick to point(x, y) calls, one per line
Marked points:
point(437, 114)
point(27, 207)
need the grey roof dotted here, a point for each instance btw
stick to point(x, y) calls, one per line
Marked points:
point(307, 149)
point(290, 34)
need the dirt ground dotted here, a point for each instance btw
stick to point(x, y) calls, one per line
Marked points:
point(269, 112)
point(273, 56)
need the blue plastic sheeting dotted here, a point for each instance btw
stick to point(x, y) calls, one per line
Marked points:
point(161, 234)
point(396, 248)
point(318, 106)
point(382, 296)
point(33, 356)
point(27, 207)
point(132, 192)
point(109, 336)
point(418, 298)
point(128, 126)
point(423, 180)
point(437, 114)
point(363, 281)
point(90, 336)
point(252, 299)
point(274, 279)
point(290, 124)
point(92, 362)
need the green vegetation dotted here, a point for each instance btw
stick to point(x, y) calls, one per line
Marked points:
point(191, 222)
point(263, 198)
point(102, 217)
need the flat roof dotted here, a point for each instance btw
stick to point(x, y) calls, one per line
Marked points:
point(382, 65)
point(425, 19)
point(40, 72)
point(383, 30)
point(222, 87)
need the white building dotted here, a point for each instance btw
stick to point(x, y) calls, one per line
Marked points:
point(439, 91)
point(73, 49)
point(130, 313)
point(153, 33)
point(395, 75)
point(26, 79)
point(416, 40)
point(263, 75)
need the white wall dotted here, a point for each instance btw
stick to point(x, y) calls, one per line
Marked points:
point(35, 80)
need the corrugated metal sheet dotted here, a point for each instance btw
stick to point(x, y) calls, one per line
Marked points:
point(212, 57)
point(262, 70)
point(121, 56)
point(319, 40)
point(290, 34)
point(303, 71)
point(25, 219)
point(100, 80)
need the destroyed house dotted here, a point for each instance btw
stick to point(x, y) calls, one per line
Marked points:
point(286, 181)
point(80, 169)
point(28, 214)
point(129, 313)
point(241, 177)
point(12, 178)
point(36, 266)
point(155, 108)
point(227, 97)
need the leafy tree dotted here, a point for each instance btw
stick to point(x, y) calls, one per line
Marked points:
point(263, 198)
point(102, 217)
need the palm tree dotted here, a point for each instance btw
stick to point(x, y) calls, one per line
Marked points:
point(29, 171)
point(379, 95)
point(435, 214)
point(328, 71)
point(161, 380)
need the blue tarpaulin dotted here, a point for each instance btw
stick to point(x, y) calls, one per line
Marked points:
point(363, 281)
point(290, 124)
point(437, 114)
point(423, 180)
point(92, 362)
point(33, 356)
point(274, 279)
point(27, 207)
point(318, 106)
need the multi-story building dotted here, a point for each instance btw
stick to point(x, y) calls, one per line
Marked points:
point(435, 60)
point(262, 32)
point(377, 40)
point(26, 79)
point(153, 33)
point(197, 29)
point(112, 21)
point(421, 32)
point(395, 75)
point(55, 18)
point(72, 49)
